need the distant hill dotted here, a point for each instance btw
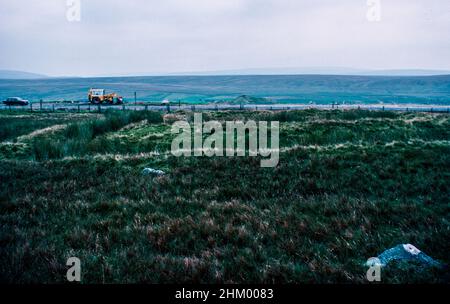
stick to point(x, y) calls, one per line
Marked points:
point(256, 89)
point(10, 74)
point(410, 72)
point(320, 71)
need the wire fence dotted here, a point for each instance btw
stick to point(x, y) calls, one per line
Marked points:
point(87, 107)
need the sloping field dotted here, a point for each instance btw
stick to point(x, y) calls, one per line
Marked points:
point(349, 185)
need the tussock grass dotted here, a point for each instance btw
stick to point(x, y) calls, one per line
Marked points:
point(315, 218)
point(77, 138)
point(13, 125)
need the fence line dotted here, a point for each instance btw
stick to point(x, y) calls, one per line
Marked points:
point(217, 107)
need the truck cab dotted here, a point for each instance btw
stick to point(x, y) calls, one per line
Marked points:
point(99, 96)
point(96, 95)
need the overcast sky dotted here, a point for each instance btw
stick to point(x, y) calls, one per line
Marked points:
point(123, 37)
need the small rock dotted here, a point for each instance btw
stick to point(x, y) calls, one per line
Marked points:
point(150, 171)
point(405, 252)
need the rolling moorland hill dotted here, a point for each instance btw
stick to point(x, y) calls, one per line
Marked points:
point(204, 89)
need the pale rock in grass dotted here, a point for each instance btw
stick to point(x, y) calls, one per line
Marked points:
point(404, 252)
point(150, 171)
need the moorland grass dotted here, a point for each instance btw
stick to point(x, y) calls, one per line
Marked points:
point(75, 139)
point(351, 185)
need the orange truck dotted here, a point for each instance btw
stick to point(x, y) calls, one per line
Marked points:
point(99, 96)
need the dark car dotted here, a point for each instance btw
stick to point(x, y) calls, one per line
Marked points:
point(15, 101)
